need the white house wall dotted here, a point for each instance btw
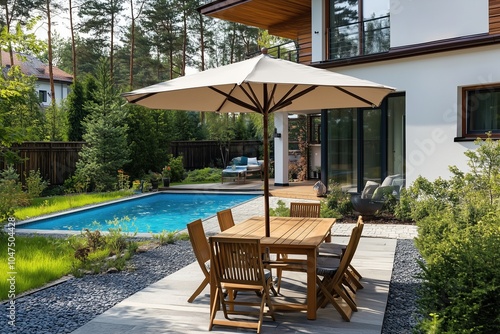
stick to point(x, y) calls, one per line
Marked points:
point(421, 21)
point(61, 91)
point(432, 86)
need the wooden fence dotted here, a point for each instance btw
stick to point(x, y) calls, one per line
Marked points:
point(205, 153)
point(57, 160)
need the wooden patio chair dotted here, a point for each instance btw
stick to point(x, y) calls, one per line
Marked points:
point(237, 264)
point(297, 209)
point(337, 250)
point(225, 218)
point(333, 271)
point(201, 250)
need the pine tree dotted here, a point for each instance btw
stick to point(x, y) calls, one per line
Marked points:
point(106, 149)
point(76, 112)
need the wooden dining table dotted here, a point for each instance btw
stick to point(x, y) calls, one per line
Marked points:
point(290, 236)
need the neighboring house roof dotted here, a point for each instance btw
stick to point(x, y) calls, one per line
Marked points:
point(31, 65)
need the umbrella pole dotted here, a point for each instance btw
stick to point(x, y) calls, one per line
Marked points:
point(266, 173)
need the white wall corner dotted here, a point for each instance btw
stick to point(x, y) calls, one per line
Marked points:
point(281, 149)
point(318, 31)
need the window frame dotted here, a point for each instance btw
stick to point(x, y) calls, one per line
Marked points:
point(466, 133)
point(42, 96)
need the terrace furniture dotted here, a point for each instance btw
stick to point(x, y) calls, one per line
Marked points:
point(288, 235)
point(237, 173)
point(201, 250)
point(297, 209)
point(251, 163)
point(333, 271)
point(237, 265)
point(225, 218)
point(336, 250)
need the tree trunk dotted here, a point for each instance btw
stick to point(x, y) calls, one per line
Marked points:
point(73, 46)
point(49, 46)
point(132, 42)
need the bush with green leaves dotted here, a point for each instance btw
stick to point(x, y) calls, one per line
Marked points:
point(337, 203)
point(280, 211)
point(35, 184)
point(207, 174)
point(458, 237)
point(177, 171)
point(11, 194)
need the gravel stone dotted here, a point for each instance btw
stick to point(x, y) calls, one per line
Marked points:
point(65, 307)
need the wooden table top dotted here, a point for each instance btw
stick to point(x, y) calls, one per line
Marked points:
point(286, 232)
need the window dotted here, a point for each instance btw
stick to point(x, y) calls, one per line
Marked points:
point(358, 27)
point(481, 111)
point(315, 129)
point(42, 96)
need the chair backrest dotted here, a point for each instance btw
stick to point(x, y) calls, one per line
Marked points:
point(225, 218)
point(237, 260)
point(311, 210)
point(350, 249)
point(198, 239)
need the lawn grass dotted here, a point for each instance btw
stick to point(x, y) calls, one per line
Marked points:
point(38, 260)
point(46, 205)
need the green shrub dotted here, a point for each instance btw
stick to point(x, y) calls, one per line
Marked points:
point(177, 170)
point(458, 237)
point(281, 210)
point(337, 203)
point(205, 175)
point(35, 184)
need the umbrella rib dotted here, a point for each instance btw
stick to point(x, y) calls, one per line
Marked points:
point(145, 96)
point(356, 96)
point(253, 98)
point(233, 100)
point(287, 101)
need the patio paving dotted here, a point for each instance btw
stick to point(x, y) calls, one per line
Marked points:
point(163, 308)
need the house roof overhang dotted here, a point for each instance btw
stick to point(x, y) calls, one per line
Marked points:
point(279, 17)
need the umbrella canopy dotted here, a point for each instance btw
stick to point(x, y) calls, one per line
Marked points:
point(264, 85)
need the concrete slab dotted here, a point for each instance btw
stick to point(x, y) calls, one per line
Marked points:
point(163, 308)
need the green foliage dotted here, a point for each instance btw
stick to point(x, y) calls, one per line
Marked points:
point(106, 150)
point(11, 195)
point(337, 203)
point(281, 210)
point(165, 237)
point(205, 175)
point(176, 168)
point(35, 184)
point(458, 237)
point(76, 111)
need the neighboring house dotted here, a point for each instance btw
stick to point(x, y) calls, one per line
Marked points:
point(442, 56)
point(33, 66)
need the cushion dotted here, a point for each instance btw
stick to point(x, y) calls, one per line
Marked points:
point(370, 187)
point(243, 161)
point(389, 179)
point(253, 161)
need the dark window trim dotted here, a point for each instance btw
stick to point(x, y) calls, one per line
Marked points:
point(475, 135)
point(415, 50)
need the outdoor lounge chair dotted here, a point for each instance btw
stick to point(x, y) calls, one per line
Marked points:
point(201, 250)
point(237, 264)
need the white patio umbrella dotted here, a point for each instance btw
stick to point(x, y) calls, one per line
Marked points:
point(263, 85)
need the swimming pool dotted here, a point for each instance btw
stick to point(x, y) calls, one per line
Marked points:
point(148, 214)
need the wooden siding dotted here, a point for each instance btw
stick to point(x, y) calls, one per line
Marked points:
point(494, 17)
point(55, 160)
point(305, 45)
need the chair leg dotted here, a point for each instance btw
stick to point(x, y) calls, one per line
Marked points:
point(199, 290)
point(215, 306)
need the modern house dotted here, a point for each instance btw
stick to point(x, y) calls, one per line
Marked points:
point(33, 66)
point(442, 56)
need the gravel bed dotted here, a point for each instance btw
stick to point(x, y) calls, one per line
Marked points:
point(66, 306)
point(401, 311)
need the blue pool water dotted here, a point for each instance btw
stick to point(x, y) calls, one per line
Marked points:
point(154, 213)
